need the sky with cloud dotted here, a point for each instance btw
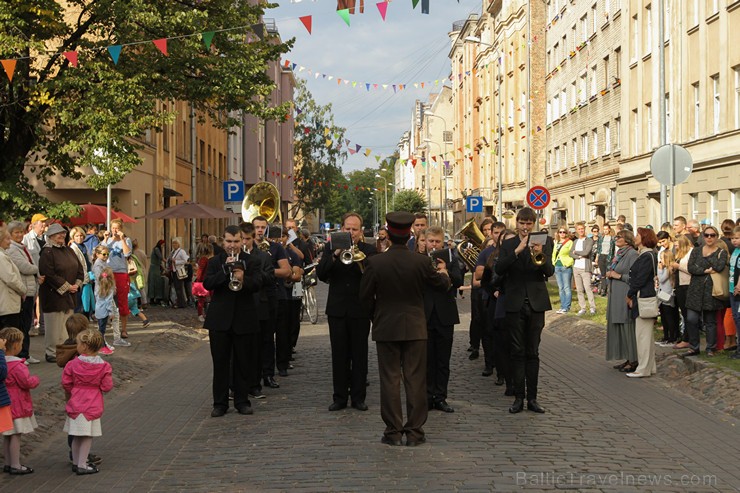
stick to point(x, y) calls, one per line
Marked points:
point(408, 47)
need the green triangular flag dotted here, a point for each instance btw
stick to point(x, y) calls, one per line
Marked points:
point(415, 3)
point(208, 38)
point(344, 14)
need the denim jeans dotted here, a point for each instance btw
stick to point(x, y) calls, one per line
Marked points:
point(564, 275)
point(694, 322)
point(735, 307)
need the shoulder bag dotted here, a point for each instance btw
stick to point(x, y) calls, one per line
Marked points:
point(648, 307)
point(721, 282)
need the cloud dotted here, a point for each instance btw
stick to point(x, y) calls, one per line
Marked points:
point(408, 47)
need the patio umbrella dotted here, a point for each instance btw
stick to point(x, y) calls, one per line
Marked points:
point(90, 214)
point(123, 217)
point(189, 210)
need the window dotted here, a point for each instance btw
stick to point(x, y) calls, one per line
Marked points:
point(607, 8)
point(583, 90)
point(667, 20)
point(574, 146)
point(636, 134)
point(584, 147)
point(573, 204)
point(696, 12)
point(584, 28)
point(668, 123)
point(549, 64)
point(565, 154)
point(549, 112)
point(694, 202)
point(523, 104)
point(557, 158)
point(594, 19)
point(556, 107)
point(617, 63)
point(715, 9)
point(635, 38)
point(582, 207)
point(697, 109)
point(736, 72)
point(573, 93)
point(607, 139)
point(563, 102)
point(595, 135)
point(716, 107)
point(549, 161)
point(556, 52)
point(634, 211)
point(510, 117)
point(573, 37)
point(735, 203)
point(606, 72)
point(612, 203)
point(649, 29)
point(714, 208)
point(649, 127)
point(594, 81)
point(618, 132)
point(564, 44)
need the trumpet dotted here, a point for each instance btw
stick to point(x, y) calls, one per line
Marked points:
point(537, 258)
point(350, 255)
point(233, 264)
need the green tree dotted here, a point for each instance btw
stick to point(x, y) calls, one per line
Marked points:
point(410, 201)
point(315, 161)
point(56, 119)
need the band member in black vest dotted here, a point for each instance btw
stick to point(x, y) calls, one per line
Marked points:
point(526, 303)
point(392, 289)
point(275, 293)
point(441, 313)
point(233, 328)
point(349, 321)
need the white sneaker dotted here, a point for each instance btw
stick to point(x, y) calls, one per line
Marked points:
point(32, 361)
point(121, 342)
point(560, 311)
point(581, 312)
point(201, 318)
point(593, 312)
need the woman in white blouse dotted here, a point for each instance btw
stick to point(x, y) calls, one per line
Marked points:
point(178, 258)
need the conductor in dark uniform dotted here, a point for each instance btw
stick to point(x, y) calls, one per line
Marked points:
point(349, 321)
point(526, 302)
point(232, 322)
point(392, 289)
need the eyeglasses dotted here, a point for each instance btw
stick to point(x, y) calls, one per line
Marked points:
point(103, 254)
point(710, 235)
point(562, 232)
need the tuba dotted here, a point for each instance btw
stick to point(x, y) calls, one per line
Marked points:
point(470, 249)
point(262, 199)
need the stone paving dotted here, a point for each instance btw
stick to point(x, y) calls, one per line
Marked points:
point(601, 432)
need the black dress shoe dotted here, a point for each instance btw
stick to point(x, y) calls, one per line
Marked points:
point(337, 405)
point(283, 373)
point(90, 469)
point(518, 406)
point(218, 412)
point(689, 353)
point(474, 354)
point(500, 381)
point(533, 406)
point(360, 406)
point(390, 441)
point(19, 470)
point(487, 371)
point(415, 443)
point(245, 410)
point(51, 359)
point(509, 392)
point(270, 382)
point(443, 406)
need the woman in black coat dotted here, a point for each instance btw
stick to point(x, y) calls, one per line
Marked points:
point(642, 285)
point(704, 260)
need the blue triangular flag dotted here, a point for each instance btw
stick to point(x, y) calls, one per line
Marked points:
point(115, 52)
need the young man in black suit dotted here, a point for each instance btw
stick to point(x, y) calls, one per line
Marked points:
point(349, 321)
point(526, 302)
point(232, 322)
point(441, 313)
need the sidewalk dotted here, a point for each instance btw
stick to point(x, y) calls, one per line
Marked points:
point(602, 432)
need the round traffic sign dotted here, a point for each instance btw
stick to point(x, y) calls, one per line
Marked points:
point(538, 197)
point(671, 164)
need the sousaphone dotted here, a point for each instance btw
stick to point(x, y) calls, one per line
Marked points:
point(262, 199)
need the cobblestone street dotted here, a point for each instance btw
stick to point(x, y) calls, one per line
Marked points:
point(601, 432)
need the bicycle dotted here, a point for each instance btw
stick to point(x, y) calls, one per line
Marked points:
point(309, 307)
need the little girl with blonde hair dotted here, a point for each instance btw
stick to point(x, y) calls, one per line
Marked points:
point(105, 292)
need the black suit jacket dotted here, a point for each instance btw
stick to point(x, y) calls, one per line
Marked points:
point(523, 278)
point(233, 310)
point(443, 302)
point(392, 289)
point(344, 284)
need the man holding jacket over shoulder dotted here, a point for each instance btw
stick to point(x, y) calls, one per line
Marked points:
point(582, 252)
point(526, 302)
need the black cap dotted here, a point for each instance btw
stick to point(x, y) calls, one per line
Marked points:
point(399, 222)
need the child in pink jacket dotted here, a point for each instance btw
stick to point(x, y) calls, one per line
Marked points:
point(19, 382)
point(86, 378)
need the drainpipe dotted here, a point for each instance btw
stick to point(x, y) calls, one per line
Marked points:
point(193, 188)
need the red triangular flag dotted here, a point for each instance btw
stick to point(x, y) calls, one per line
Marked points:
point(161, 44)
point(72, 57)
point(306, 20)
point(383, 8)
point(9, 66)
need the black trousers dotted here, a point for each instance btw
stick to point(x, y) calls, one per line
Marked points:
point(268, 329)
point(502, 351)
point(439, 350)
point(27, 314)
point(477, 314)
point(283, 346)
point(348, 337)
point(681, 294)
point(525, 328)
point(669, 320)
point(601, 259)
point(295, 321)
point(487, 336)
point(233, 358)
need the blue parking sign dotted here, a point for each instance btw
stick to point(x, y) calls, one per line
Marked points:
point(233, 191)
point(474, 203)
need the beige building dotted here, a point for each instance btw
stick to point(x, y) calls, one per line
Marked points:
point(582, 109)
point(702, 96)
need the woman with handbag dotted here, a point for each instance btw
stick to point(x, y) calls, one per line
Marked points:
point(178, 270)
point(119, 251)
point(620, 327)
point(156, 291)
point(204, 253)
point(77, 244)
point(708, 289)
point(667, 299)
point(563, 263)
point(643, 302)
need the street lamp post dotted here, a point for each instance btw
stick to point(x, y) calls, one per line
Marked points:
point(385, 186)
point(442, 169)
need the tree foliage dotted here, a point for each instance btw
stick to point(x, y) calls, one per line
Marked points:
point(56, 119)
point(410, 201)
point(316, 162)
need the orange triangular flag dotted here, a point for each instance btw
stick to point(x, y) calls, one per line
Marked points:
point(72, 57)
point(161, 44)
point(9, 66)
